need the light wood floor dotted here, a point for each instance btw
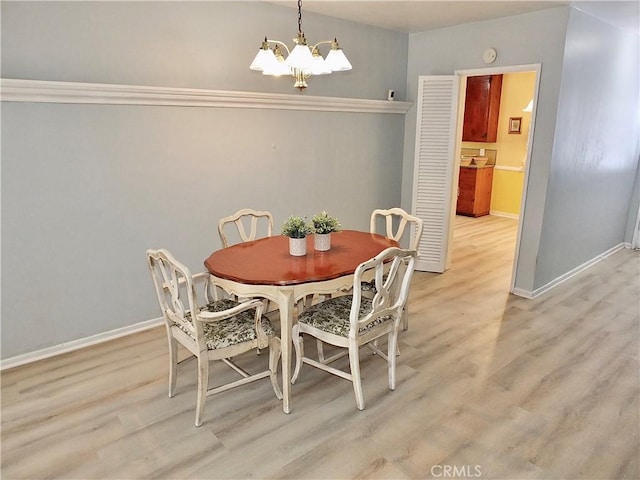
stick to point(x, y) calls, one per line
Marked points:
point(490, 386)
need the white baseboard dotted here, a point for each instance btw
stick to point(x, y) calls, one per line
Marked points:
point(523, 293)
point(156, 322)
point(497, 213)
point(78, 344)
point(581, 268)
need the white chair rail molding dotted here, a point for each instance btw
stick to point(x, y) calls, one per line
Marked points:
point(45, 91)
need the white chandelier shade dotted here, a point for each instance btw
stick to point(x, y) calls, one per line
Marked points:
point(319, 65)
point(301, 62)
point(263, 58)
point(300, 58)
point(337, 60)
point(273, 63)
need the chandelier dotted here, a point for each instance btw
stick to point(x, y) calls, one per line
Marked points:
point(301, 62)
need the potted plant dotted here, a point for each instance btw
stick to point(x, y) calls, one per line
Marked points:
point(297, 229)
point(323, 226)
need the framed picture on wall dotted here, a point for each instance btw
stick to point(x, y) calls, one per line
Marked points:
point(515, 124)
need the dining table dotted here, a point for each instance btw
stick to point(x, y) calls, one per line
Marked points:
point(264, 268)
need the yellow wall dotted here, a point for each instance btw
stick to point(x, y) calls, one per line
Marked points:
point(506, 193)
point(517, 91)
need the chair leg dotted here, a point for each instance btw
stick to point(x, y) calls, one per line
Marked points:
point(173, 365)
point(405, 319)
point(299, 346)
point(405, 325)
point(304, 303)
point(274, 357)
point(392, 348)
point(203, 385)
point(320, 347)
point(354, 361)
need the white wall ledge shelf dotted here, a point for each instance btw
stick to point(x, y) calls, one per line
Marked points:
point(42, 91)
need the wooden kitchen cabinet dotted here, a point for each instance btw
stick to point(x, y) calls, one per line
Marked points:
point(482, 108)
point(474, 191)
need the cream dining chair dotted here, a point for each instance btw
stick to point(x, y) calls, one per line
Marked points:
point(250, 224)
point(351, 321)
point(395, 221)
point(216, 329)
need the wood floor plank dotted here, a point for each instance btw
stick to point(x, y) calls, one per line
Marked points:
point(489, 384)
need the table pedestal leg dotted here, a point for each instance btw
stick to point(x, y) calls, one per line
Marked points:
point(285, 304)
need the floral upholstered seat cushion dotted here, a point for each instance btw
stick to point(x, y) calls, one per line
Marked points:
point(332, 315)
point(369, 286)
point(230, 331)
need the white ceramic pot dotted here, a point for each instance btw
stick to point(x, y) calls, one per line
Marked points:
point(298, 247)
point(322, 241)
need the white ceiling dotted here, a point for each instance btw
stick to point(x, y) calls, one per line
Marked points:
point(421, 15)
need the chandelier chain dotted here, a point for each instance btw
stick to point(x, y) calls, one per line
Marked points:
point(300, 17)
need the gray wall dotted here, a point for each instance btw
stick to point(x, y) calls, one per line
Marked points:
point(595, 152)
point(197, 44)
point(86, 189)
point(568, 100)
point(519, 40)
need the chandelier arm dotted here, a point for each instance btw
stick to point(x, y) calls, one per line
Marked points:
point(324, 42)
point(278, 42)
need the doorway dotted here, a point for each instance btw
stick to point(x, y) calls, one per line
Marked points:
point(439, 125)
point(507, 152)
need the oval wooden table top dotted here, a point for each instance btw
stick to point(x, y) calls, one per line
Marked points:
point(267, 261)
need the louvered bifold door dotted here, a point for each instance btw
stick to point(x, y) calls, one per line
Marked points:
point(437, 113)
